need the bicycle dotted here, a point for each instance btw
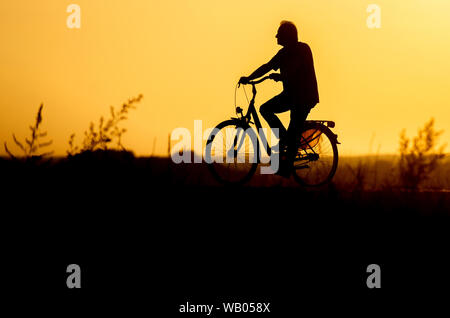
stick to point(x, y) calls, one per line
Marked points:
point(233, 151)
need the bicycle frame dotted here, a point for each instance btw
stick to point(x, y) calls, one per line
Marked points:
point(251, 112)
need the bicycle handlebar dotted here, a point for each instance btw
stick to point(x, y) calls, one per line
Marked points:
point(262, 79)
point(255, 82)
point(259, 81)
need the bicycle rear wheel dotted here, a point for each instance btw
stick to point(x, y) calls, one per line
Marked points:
point(317, 156)
point(232, 152)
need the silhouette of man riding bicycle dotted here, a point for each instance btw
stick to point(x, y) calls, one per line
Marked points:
point(307, 149)
point(299, 95)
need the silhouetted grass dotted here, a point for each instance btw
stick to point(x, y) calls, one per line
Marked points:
point(107, 132)
point(419, 156)
point(31, 145)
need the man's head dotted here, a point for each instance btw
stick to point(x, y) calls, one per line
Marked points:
point(287, 33)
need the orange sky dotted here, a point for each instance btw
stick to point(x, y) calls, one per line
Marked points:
point(185, 57)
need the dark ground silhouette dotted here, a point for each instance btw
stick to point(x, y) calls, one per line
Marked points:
point(148, 230)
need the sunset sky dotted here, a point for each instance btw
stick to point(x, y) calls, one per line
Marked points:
point(185, 57)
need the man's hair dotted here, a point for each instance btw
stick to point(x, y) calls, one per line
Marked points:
point(289, 30)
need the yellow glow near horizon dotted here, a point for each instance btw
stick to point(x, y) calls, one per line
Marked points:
point(185, 57)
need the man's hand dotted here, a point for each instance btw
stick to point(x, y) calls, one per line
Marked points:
point(244, 80)
point(275, 76)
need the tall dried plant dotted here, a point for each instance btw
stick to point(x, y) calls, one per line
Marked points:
point(419, 156)
point(107, 132)
point(32, 145)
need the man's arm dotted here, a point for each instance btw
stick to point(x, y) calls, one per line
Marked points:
point(263, 69)
point(260, 71)
point(273, 64)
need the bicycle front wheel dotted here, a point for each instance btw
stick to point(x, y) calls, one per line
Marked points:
point(232, 152)
point(317, 156)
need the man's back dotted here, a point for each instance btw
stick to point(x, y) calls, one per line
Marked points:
point(297, 70)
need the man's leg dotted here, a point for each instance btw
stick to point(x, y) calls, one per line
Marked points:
point(277, 104)
point(298, 118)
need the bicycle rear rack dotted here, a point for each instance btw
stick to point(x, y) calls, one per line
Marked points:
point(328, 123)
